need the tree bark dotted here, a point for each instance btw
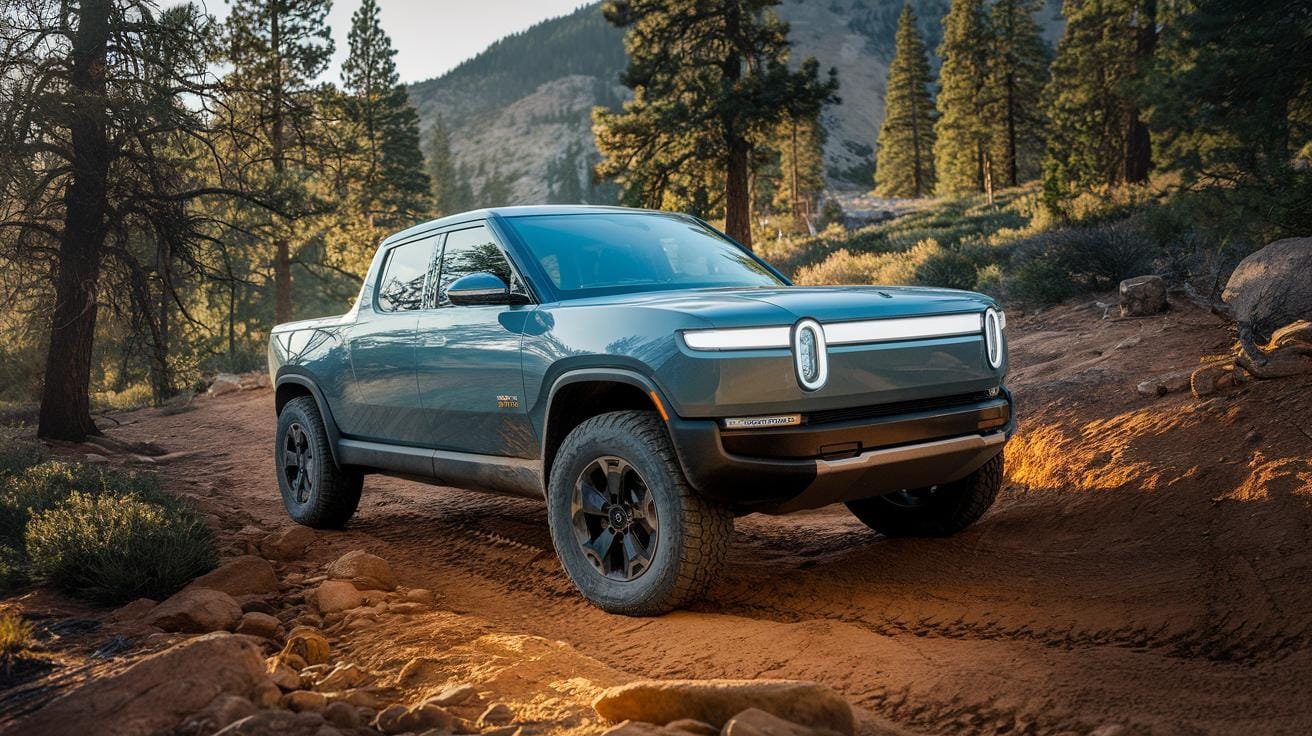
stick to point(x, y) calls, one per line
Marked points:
point(1138, 143)
point(282, 259)
point(65, 398)
point(737, 197)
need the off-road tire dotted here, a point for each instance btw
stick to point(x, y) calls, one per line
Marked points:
point(694, 533)
point(334, 492)
point(953, 506)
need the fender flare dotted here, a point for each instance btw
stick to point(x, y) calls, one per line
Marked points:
point(618, 375)
point(330, 424)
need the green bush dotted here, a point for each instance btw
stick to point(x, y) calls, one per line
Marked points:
point(15, 639)
point(1057, 264)
point(46, 485)
point(115, 548)
point(13, 569)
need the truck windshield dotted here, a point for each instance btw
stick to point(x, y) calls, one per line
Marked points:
point(601, 253)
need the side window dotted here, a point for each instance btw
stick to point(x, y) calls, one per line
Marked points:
point(471, 251)
point(402, 286)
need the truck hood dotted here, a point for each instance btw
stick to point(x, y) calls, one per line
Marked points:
point(743, 307)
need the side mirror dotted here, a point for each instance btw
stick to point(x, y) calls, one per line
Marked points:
point(480, 289)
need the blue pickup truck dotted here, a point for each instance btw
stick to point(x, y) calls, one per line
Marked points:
point(650, 379)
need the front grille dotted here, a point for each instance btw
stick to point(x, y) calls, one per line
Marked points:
point(900, 407)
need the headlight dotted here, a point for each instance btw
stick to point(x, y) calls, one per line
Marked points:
point(993, 325)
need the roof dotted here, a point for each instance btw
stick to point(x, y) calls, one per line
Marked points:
point(515, 211)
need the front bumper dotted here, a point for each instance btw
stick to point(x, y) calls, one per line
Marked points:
point(817, 464)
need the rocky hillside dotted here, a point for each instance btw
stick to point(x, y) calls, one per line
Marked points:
point(520, 112)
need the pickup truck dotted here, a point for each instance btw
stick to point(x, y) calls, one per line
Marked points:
point(650, 379)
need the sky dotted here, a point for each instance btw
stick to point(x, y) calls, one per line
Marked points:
point(432, 37)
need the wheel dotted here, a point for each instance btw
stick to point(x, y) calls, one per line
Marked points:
point(935, 511)
point(632, 535)
point(315, 491)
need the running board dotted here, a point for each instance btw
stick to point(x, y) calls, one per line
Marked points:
point(513, 475)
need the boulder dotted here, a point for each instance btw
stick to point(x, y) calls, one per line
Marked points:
point(342, 715)
point(1211, 378)
point(1278, 363)
point(280, 722)
point(420, 595)
point(1142, 296)
point(1167, 383)
point(365, 571)
point(282, 674)
point(224, 383)
point(287, 544)
point(258, 624)
point(1270, 289)
point(196, 611)
point(453, 695)
point(400, 719)
point(300, 701)
point(244, 575)
point(343, 677)
point(497, 714)
point(756, 722)
point(154, 694)
point(266, 694)
point(337, 595)
point(693, 726)
point(132, 611)
point(222, 711)
point(717, 701)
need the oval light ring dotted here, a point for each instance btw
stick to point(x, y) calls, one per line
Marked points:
point(810, 355)
point(993, 337)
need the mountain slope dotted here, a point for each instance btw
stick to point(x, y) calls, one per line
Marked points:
point(519, 113)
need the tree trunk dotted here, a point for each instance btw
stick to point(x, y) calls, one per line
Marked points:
point(1138, 143)
point(282, 259)
point(737, 198)
point(65, 398)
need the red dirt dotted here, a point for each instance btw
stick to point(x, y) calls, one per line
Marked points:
point(1148, 564)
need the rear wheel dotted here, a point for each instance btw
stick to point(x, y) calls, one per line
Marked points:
point(315, 491)
point(631, 534)
point(933, 511)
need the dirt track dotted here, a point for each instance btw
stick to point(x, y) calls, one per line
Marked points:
point(1148, 564)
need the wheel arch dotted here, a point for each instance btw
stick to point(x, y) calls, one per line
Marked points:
point(288, 386)
point(583, 393)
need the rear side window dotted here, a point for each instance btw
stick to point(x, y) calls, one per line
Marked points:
point(404, 275)
point(471, 251)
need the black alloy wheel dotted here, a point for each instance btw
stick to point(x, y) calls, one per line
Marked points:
point(615, 518)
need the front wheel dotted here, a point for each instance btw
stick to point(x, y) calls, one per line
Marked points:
point(315, 491)
point(632, 535)
point(935, 511)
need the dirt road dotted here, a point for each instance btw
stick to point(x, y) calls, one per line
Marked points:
point(1148, 565)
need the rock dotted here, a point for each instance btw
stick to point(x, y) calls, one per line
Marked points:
point(420, 595)
point(280, 722)
point(196, 611)
point(693, 726)
point(282, 674)
point(258, 624)
point(389, 719)
point(224, 383)
point(504, 731)
point(1270, 289)
point(1167, 383)
point(756, 722)
point(639, 728)
point(300, 701)
point(405, 609)
point(365, 571)
point(426, 715)
point(1295, 334)
point(132, 611)
point(342, 715)
point(244, 575)
point(1142, 296)
point(497, 714)
point(288, 544)
point(155, 693)
point(309, 644)
point(359, 697)
point(344, 677)
point(453, 695)
point(716, 701)
point(221, 711)
point(1128, 342)
point(266, 694)
point(337, 595)
point(1211, 378)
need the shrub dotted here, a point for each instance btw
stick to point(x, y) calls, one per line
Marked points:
point(1054, 265)
point(15, 639)
point(13, 569)
point(45, 485)
point(115, 548)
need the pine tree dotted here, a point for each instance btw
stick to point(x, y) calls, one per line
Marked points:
point(962, 144)
point(1018, 71)
point(277, 49)
point(800, 143)
point(451, 190)
point(710, 80)
point(904, 162)
point(386, 186)
point(1095, 136)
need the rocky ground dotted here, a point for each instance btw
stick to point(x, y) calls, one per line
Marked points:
point(1146, 570)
